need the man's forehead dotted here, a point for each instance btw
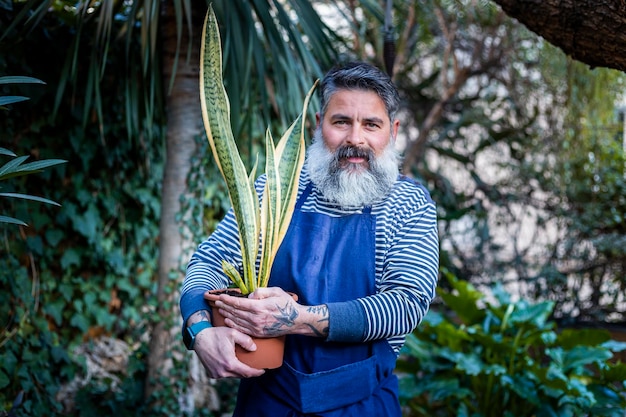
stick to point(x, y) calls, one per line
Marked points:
point(346, 102)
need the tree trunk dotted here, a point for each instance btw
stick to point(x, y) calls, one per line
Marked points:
point(589, 31)
point(184, 124)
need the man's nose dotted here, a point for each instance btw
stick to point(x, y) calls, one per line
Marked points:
point(355, 136)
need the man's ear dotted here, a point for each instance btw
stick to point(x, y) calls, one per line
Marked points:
point(394, 128)
point(318, 120)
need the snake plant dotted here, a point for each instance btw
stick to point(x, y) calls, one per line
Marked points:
point(262, 224)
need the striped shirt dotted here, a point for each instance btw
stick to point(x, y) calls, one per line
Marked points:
point(407, 262)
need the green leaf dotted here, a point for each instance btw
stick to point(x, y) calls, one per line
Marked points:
point(584, 355)
point(536, 314)
point(4, 151)
point(216, 117)
point(79, 321)
point(283, 165)
point(15, 167)
point(55, 310)
point(11, 166)
point(11, 220)
point(233, 274)
point(29, 197)
point(4, 100)
point(54, 236)
point(19, 79)
point(464, 300)
point(614, 345)
point(87, 223)
point(615, 373)
point(4, 380)
point(291, 152)
point(70, 257)
point(469, 364)
point(270, 211)
point(522, 386)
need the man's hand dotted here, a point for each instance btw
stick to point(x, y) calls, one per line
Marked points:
point(270, 312)
point(215, 348)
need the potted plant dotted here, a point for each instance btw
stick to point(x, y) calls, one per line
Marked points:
point(262, 223)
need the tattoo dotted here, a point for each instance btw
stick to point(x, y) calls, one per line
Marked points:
point(286, 318)
point(323, 312)
point(323, 333)
point(202, 315)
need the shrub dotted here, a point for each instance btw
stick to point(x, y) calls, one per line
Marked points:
point(505, 358)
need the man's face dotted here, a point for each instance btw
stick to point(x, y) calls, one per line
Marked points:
point(355, 123)
point(352, 160)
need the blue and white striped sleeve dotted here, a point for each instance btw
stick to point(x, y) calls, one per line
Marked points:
point(409, 266)
point(204, 271)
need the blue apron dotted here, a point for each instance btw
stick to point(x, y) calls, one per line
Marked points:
point(325, 259)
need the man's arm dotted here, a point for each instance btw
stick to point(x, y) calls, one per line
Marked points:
point(409, 276)
point(270, 312)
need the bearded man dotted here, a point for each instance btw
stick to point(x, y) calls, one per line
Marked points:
point(361, 253)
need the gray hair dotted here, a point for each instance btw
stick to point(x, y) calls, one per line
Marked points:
point(359, 76)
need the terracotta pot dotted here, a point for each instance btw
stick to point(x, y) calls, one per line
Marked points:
point(269, 350)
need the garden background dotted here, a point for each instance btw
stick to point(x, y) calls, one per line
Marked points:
point(522, 148)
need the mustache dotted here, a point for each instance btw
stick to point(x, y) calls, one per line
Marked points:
point(349, 151)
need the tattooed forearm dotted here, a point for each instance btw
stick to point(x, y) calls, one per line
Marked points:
point(322, 313)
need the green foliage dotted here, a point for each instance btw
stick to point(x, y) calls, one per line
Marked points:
point(5, 100)
point(521, 147)
point(34, 361)
point(81, 270)
point(491, 356)
point(18, 166)
point(86, 269)
point(585, 187)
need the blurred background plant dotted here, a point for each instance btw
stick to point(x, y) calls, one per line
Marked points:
point(489, 356)
point(18, 166)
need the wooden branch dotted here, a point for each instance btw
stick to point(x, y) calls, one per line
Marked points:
point(590, 31)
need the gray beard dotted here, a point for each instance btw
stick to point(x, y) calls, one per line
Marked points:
point(353, 185)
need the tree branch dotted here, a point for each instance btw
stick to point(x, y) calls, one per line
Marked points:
point(589, 31)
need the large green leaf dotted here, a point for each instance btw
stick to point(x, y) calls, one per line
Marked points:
point(11, 220)
point(579, 356)
point(4, 100)
point(464, 300)
point(29, 197)
point(283, 164)
point(216, 116)
point(270, 211)
point(19, 79)
point(16, 167)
